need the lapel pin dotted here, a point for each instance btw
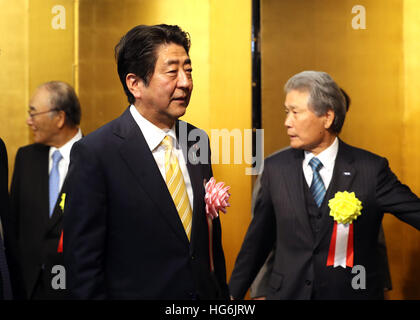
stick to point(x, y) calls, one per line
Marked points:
point(346, 173)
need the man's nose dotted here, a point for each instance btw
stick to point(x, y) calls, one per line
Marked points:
point(184, 79)
point(29, 120)
point(288, 121)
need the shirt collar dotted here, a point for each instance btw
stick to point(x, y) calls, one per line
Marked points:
point(152, 134)
point(66, 148)
point(327, 157)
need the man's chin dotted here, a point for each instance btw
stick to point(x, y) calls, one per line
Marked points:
point(38, 139)
point(295, 145)
point(180, 111)
point(35, 138)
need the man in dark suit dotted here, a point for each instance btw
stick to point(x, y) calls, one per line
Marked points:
point(5, 286)
point(260, 285)
point(39, 174)
point(314, 255)
point(127, 233)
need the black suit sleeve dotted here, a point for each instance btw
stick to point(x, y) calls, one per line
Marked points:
point(4, 177)
point(219, 258)
point(85, 225)
point(258, 243)
point(260, 285)
point(396, 198)
point(10, 229)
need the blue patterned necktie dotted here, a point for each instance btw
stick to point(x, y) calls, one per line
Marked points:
point(317, 186)
point(4, 273)
point(54, 180)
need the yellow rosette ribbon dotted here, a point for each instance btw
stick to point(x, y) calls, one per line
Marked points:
point(345, 208)
point(63, 201)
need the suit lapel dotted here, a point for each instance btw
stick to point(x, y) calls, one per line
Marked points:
point(57, 215)
point(138, 157)
point(343, 176)
point(58, 211)
point(196, 177)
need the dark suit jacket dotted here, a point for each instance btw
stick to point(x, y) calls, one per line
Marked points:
point(4, 181)
point(281, 218)
point(37, 234)
point(4, 199)
point(259, 287)
point(123, 238)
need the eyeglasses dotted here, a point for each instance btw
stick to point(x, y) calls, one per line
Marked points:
point(32, 115)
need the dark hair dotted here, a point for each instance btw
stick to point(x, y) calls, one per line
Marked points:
point(64, 98)
point(324, 95)
point(136, 51)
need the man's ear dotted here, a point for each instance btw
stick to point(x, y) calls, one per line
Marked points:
point(329, 119)
point(61, 115)
point(134, 84)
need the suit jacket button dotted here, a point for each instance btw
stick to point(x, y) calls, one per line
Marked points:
point(308, 282)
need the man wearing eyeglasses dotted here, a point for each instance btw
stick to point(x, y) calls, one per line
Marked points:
point(38, 178)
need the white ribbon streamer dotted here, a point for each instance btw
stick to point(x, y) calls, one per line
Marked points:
point(341, 245)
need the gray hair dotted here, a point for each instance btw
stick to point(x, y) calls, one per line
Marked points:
point(64, 98)
point(324, 95)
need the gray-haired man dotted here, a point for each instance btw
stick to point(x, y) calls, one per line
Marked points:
point(314, 251)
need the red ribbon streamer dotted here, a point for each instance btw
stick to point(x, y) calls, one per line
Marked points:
point(331, 252)
point(350, 250)
point(60, 244)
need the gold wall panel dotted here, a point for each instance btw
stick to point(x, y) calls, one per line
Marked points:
point(404, 242)
point(32, 52)
point(14, 75)
point(51, 48)
point(230, 107)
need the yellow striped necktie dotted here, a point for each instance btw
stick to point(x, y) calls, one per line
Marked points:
point(176, 186)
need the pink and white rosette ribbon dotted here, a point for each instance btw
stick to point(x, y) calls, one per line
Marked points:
point(216, 198)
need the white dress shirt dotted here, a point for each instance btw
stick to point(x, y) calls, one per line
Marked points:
point(63, 165)
point(154, 136)
point(327, 158)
